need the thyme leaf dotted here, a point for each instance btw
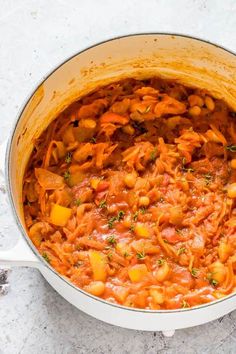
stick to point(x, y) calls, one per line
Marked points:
point(78, 202)
point(194, 272)
point(45, 256)
point(103, 204)
point(140, 255)
point(231, 148)
point(66, 175)
point(111, 239)
point(68, 157)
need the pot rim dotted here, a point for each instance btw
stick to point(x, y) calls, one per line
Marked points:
point(9, 187)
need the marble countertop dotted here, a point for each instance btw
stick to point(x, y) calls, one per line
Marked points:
point(36, 35)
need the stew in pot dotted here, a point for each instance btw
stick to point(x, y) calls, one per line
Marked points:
point(130, 194)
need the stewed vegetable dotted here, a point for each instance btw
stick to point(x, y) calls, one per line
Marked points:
point(130, 193)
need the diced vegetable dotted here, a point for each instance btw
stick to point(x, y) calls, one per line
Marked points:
point(137, 272)
point(95, 288)
point(144, 201)
point(87, 123)
point(141, 231)
point(76, 177)
point(158, 295)
point(120, 293)
point(217, 273)
point(94, 182)
point(231, 190)
point(231, 222)
point(48, 180)
point(145, 246)
point(98, 264)
point(124, 249)
point(60, 215)
point(233, 163)
point(218, 294)
point(176, 215)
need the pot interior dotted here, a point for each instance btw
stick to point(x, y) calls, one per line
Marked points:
point(190, 61)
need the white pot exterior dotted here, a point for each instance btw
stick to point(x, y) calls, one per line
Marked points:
point(166, 321)
point(190, 61)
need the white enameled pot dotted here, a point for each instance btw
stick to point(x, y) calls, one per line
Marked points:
point(190, 61)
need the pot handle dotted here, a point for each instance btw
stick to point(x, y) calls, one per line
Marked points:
point(20, 254)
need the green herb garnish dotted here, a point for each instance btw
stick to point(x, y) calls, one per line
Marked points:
point(140, 255)
point(181, 250)
point(93, 140)
point(194, 272)
point(103, 204)
point(66, 175)
point(185, 169)
point(120, 215)
point(231, 148)
point(111, 239)
point(78, 202)
point(161, 261)
point(126, 254)
point(132, 227)
point(135, 216)
point(110, 256)
point(68, 157)
point(153, 154)
point(143, 210)
point(208, 178)
point(111, 221)
point(213, 282)
point(45, 256)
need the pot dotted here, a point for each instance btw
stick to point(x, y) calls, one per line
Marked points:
point(192, 62)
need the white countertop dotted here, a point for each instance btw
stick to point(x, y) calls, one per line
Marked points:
point(36, 35)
